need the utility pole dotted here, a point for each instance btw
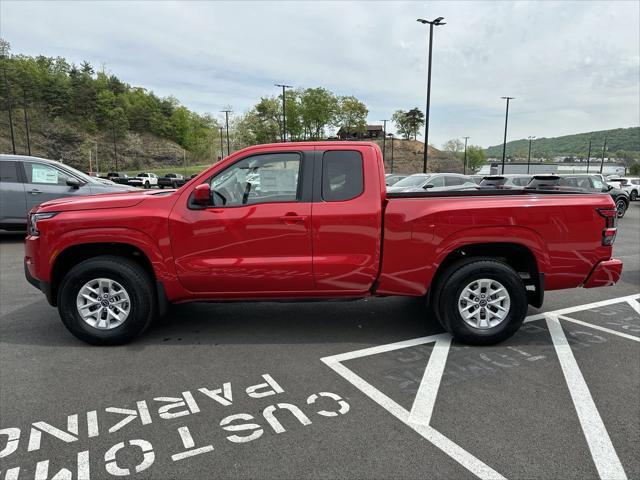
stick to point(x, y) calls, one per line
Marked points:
point(221, 145)
point(589, 156)
point(432, 23)
point(26, 120)
point(97, 167)
point(604, 147)
point(284, 110)
point(529, 156)
point(391, 135)
point(464, 168)
point(90, 166)
point(115, 147)
point(6, 86)
point(384, 139)
point(226, 116)
point(504, 145)
point(184, 161)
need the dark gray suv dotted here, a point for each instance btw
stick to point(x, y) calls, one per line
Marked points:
point(28, 181)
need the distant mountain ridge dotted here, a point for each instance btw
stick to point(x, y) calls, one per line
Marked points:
point(619, 140)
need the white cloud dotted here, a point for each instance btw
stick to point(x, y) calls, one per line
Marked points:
point(572, 66)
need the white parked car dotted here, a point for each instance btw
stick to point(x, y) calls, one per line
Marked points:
point(432, 182)
point(144, 180)
point(634, 183)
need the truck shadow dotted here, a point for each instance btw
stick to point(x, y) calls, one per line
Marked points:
point(372, 320)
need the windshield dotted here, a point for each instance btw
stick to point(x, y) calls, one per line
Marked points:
point(412, 181)
point(77, 173)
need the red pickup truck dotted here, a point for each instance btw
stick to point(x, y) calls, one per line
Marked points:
point(314, 221)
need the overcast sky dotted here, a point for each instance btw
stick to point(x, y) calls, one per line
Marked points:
point(572, 66)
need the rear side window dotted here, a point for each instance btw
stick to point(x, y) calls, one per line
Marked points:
point(342, 177)
point(451, 181)
point(9, 172)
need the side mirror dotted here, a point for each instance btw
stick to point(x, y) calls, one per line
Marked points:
point(428, 185)
point(73, 183)
point(202, 195)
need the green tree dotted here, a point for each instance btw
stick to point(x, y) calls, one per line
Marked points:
point(415, 120)
point(634, 168)
point(476, 157)
point(351, 114)
point(318, 108)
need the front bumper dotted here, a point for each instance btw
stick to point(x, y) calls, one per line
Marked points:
point(44, 287)
point(605, 274)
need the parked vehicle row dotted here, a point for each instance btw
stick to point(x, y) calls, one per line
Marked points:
point(149, 179)
point(28, 181)
point(314, 220)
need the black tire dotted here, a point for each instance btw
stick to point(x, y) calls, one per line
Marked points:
point(147, 184)
point(457, 278)
point(161, 186)
point(634, 195)
point(621, 207)
point(131, 276)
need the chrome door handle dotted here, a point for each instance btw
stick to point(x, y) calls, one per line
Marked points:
point(35, 191)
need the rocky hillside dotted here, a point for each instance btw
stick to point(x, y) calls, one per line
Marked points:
point(408, 158)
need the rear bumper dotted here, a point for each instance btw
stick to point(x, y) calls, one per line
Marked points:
point(605, 273)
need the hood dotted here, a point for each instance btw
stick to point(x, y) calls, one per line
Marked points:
point(94, 202)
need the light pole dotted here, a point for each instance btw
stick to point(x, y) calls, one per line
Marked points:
point(384, 139)
point(226, 116)
point(437, 22)
point(26, 119)
point(284, 110)
point(221, 145)
point(464, 168)
point(604, 147)
point(504, 145)
point(529, 156)
point(391, 136)
point(6, 86)
point(589, 156)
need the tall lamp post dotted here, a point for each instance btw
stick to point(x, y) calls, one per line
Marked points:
point(589, 156)
point(284, 110)
point(391, 136)
point(529, 156)
point(433, 23)
point(226, 116)
point(604, 147)
point(504, 145)
point(384, 139)
point(221, 144)
point(464, 165)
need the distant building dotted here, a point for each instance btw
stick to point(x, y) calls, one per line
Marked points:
point(540, 168)
point(372, 131)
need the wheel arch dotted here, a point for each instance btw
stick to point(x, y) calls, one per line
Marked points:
point(74, 254)
point(517, 255)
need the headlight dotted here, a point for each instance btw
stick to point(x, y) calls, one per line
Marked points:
point(33, 221)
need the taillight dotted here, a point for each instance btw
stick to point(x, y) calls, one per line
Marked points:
point(610, 216)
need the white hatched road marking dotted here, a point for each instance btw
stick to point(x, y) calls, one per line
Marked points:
point(602, 450)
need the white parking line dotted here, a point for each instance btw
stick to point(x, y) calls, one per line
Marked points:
point(598, 327)
point(600, 446)
point(429, 433)
point(602, 450)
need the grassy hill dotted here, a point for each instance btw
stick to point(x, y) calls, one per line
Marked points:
point(625, 141)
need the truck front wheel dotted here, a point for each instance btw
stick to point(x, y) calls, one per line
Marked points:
point(106, 300)
point(482, 302)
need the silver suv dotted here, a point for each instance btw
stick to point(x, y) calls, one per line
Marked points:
point(28, 181)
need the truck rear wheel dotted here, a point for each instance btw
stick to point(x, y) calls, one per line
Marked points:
point(106, 300)
point(481, 302)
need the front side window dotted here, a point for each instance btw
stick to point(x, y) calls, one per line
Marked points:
point(43, 174)
point(273, 177)
point(437, 182)
point(342, 176)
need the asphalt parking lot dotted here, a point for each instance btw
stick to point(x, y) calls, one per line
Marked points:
point(366, 389)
